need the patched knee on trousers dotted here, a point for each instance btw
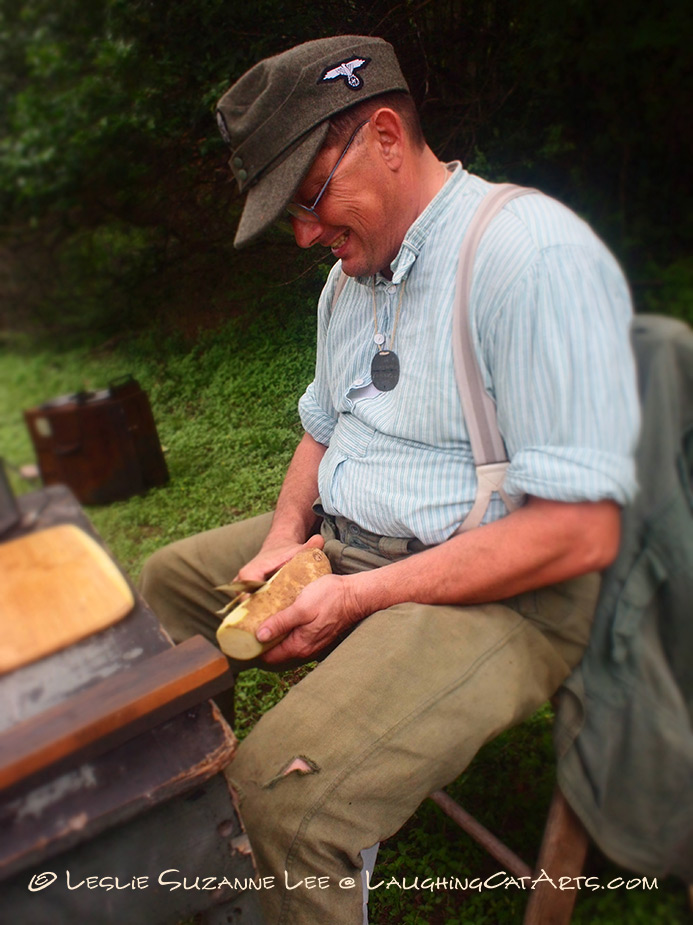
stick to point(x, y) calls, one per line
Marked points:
point(299, 765)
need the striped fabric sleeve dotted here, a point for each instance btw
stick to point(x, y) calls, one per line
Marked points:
point(564, 378)
point(316, 410)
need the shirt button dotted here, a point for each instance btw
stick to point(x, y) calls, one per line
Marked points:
point(358, 381)
point(391, 289)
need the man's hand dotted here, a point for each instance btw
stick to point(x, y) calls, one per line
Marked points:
point(293, 518)
point(322, 612)
point(273, 555)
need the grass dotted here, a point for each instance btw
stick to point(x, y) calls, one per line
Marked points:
point(226, 415)
point(225, 405)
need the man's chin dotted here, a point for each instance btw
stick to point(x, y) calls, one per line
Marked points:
point(352, 266)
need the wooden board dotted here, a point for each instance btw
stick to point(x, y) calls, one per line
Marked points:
point(197, 833)
point(114, 710)
point(58, 586)
point(37, 823)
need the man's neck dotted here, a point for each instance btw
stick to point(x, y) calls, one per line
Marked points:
point(433, 176)
point(422, 182)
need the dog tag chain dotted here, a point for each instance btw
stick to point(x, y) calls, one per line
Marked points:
point(385, 363)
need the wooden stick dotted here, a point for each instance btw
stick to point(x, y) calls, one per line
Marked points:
point(480, 834)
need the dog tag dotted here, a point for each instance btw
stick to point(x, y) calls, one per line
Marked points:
point(385, 370)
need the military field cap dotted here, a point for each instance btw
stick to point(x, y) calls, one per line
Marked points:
point(274, 118)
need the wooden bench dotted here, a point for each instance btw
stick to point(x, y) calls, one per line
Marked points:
point(111, 765)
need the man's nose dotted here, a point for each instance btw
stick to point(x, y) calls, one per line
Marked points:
point(306, 233)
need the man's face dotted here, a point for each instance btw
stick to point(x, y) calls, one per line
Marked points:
point(358, 210)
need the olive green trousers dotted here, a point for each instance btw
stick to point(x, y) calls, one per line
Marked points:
point(398, 709)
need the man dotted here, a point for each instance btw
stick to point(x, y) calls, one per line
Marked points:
point(432, 641)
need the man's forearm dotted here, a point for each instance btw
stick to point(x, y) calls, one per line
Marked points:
point(294, 519)
point(541, 544)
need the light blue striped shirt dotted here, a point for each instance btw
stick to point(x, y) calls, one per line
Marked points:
point(550, 312)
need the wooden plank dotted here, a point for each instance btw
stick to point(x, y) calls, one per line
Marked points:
point(58, 587)
point(114, 710)
point(40, 685)
point(195, 836)
point(41, 819)
point(55, 810)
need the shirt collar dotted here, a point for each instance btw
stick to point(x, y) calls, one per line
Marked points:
point(419, 230)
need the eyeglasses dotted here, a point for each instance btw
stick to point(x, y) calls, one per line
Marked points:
point(308, 213)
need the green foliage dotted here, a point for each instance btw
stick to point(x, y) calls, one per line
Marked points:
point(672, 290)
point(66, 104)
point(107, 132)
point(256, 691)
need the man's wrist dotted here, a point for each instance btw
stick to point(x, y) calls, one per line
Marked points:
point(369, 591)
point(287, 534)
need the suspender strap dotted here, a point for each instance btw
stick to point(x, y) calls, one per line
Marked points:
point(488, 449)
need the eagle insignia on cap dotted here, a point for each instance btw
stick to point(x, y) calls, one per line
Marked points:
point(346, 70)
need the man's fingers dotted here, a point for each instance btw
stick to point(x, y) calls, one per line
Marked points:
point(263, 567)
point(276, 625)
point(265, 564)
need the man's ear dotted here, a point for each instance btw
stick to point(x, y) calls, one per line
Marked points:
point(389, 135)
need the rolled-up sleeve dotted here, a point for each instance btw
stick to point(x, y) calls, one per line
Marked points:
point(315, 407)
point(315, 420)
point(564, 378)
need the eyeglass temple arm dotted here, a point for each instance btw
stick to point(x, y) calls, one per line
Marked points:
point(339, 161)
